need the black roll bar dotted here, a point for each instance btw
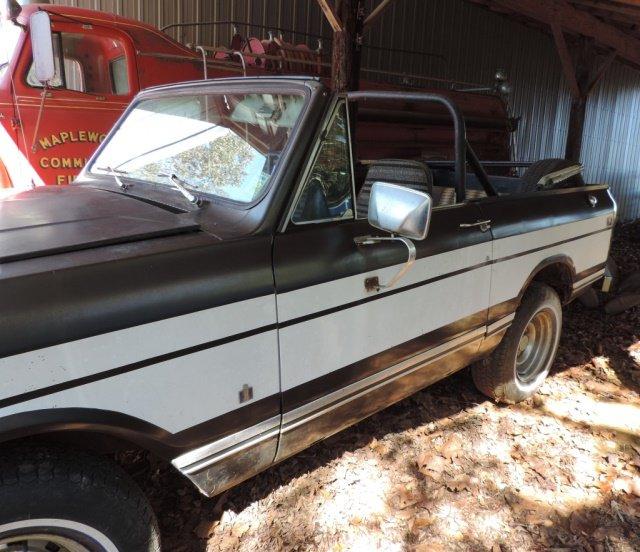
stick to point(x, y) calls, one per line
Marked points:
point(479, 170)
point(458, 125)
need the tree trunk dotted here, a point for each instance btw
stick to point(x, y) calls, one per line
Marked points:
point(347, 46)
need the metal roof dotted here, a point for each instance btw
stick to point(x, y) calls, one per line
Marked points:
point(614, 25)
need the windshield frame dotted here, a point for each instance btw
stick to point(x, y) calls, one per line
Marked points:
point(244, 85)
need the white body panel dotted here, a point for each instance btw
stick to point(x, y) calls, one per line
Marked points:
point(321, 345)
point(509, 276)
point(174, 394)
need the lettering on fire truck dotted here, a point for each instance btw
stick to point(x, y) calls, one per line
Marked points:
point(87, 136)
point(71, 162)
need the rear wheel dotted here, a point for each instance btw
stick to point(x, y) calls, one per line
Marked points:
point(523, 359)
point(57, 500)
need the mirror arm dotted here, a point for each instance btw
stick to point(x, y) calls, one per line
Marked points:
point(373, 284)
point(34, 142)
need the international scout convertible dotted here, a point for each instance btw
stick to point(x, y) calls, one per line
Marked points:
point(234, 277)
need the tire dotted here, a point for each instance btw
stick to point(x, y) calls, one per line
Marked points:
point(589, 299)
point(535, 172)
point(539, 317)
point(73, 500)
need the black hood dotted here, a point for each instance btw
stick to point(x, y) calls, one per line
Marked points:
point(52, 220)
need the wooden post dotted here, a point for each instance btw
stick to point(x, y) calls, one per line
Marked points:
point(585, 52)
point(347, 46)
point(582, 76)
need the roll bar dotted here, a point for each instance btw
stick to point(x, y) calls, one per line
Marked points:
point(463, 150)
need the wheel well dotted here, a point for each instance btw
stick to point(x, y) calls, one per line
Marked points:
point(558, 275)
point(101, 444)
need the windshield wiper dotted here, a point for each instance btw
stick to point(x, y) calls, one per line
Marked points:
point(181, 186)
point(114, 172)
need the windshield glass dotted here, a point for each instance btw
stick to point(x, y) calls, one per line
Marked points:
point(226, 145)
point(9, 34)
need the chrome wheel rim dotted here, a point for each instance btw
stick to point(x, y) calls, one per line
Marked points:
point(53, 535)
point(39, 542)
point(536, 346)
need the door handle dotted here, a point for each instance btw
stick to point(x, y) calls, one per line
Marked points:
point(484, 225)
point(593, 200)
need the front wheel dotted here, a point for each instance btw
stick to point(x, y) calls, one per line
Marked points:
point(519, 365)
point(54, 499)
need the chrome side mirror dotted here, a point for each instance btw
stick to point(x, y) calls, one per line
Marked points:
point(42, 46)
point(398, 210)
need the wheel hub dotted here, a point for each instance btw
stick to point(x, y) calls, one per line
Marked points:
point(40, 543)
point(535, 346)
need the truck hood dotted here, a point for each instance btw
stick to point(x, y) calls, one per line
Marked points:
point(51, 220)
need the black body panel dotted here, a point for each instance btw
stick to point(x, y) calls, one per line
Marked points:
point(120, 286)
point(309, 255)
point(52, 220)
point(522, 213)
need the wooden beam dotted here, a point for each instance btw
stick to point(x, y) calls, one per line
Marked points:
point(377, 12)
point(597, 76)
point(633, 12)
point(566, 61)
point(577, 21)
point(331, 15)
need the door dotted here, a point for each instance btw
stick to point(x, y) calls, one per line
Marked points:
point(95, 81)
point(346, 351)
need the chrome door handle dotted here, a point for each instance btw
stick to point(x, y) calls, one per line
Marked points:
point(484, 225)
point(593, 200)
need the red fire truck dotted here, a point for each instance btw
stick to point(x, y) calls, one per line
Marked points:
point(101, 61)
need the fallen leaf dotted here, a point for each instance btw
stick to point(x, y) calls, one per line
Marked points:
point(451, 448)
point(431, 464)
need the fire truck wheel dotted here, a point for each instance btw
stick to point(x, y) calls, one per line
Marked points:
point(66, 500)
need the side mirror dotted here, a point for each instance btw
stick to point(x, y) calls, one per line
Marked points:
point(400, 210)
point(42, 46)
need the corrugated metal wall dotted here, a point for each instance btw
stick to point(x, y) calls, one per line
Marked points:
point(460, 41)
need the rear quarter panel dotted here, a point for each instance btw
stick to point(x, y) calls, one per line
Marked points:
point(530, 229)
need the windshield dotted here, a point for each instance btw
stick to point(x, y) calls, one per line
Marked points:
point(9, 34)
point(226, 145)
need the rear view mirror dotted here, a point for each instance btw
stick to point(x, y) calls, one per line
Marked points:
point(42, 46)
point(400, 210)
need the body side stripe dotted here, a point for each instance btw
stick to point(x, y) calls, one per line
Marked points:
point(70, 384)
point(421, 283)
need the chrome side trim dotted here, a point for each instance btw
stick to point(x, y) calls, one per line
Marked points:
point(197, 459)
point(501, 324)
point(321, 406)
point(581, 284)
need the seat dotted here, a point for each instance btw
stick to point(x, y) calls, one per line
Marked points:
point(412, 174)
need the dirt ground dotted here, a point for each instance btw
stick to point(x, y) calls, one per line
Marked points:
point(447, 469)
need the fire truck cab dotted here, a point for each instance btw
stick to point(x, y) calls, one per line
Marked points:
point(97, 62)
point(101, 61)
